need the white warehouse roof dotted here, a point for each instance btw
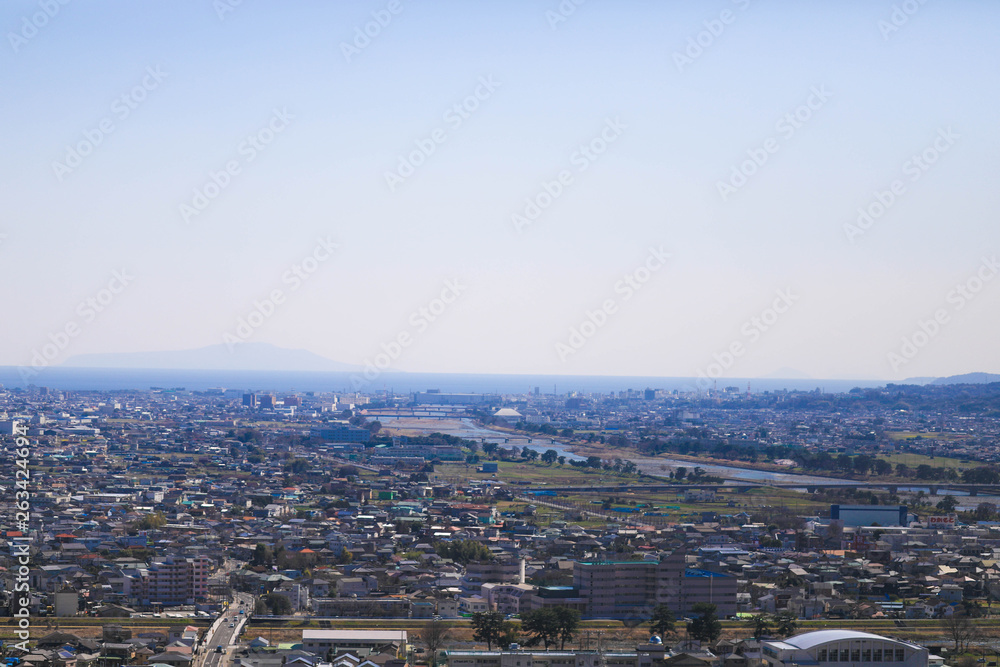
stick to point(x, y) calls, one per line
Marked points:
point(808, 640)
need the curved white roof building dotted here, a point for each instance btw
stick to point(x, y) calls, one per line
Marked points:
point(843, 648)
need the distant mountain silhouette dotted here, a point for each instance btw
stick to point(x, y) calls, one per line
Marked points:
point(968, 378)
point(919, 380)
point(243, 357)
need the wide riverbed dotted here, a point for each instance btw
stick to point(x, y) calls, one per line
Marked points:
point(656, 466)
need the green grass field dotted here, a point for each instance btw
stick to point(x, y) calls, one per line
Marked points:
point(914, 460)
point(669, 506)
point(538, 473)
point(930, 435)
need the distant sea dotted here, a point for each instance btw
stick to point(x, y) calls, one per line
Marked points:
point(98, 379)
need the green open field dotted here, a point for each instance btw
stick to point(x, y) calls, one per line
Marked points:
point(930, 435)
point(672, 508)
point(669, 505)
point(914, 460)
point(538, 473)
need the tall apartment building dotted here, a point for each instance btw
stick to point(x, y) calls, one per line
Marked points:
point(172, 581)
point(506, 597)
point(623, 589)
point(9, 426)
point(505, 571)
point(341, 433)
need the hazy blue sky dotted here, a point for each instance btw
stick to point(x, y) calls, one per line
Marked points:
point(885, 81)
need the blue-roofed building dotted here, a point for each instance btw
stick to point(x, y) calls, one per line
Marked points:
point(870, 515)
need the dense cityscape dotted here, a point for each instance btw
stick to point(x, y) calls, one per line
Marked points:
point(534, 333)
point(175, 527)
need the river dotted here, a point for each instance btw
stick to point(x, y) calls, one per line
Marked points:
point(661, 466)
point(463, 427)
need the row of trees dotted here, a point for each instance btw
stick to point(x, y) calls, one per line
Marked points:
point(696, 442)
point(544, 429)
point(862, 464)
point(704, 625)
point(542, 626)
point(464, 551)
point(762, 625)
point(983, 512)
point(614, 465)
point(552, 625)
